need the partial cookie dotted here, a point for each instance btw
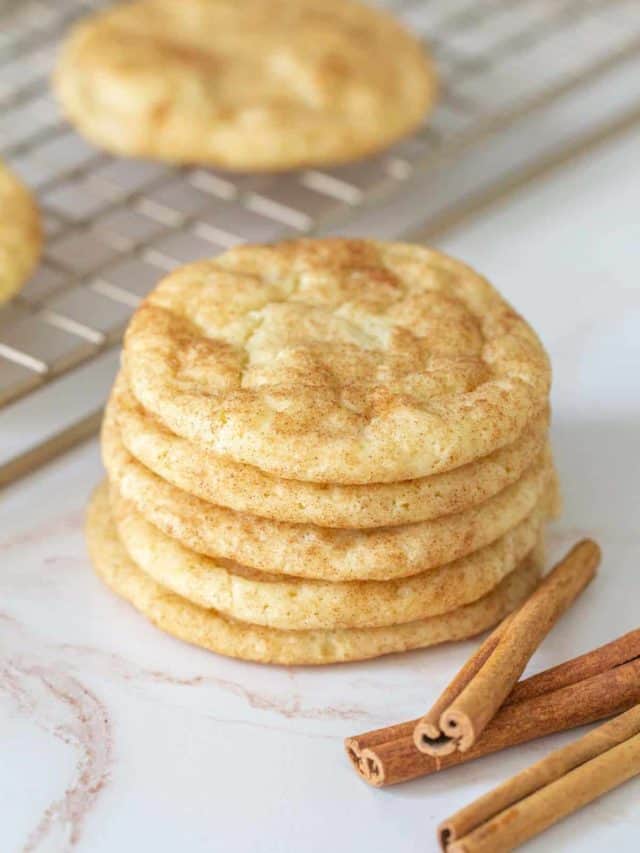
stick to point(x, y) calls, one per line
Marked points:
point(244, 488)
point(220, 634)
point(20, 236)
point(244, 84)
point(304, 550)
point(343, 361)
point(291, 603)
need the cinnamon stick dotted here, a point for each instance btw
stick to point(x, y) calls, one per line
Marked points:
point(427, 730)
point(619, 651)
point(547, 791)
point(590, 687)
point(471, 700)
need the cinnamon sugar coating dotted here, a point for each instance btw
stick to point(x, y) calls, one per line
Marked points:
point(244, 84)
point(20, 234)
point(343, 361)
point(218, 633)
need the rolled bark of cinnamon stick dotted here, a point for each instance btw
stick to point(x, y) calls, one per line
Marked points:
point(547, 791)
point(619, 651)
point(388, 756)
point(472, 699)
point(428, 729)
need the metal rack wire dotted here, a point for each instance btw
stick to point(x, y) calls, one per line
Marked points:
point(115, 225)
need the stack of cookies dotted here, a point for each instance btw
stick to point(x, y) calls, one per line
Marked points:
point(325, 450)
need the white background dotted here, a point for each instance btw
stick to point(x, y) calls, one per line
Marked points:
point(116, 737)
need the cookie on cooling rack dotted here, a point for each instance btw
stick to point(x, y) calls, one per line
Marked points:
point(20, 237)
point(251, 85)
point(337, 361)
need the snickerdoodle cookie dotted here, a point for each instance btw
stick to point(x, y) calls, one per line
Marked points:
point(219, 633)
point(245, 488)
point(342, 361)
point(305, 550)
point(244, 84)
point(20, 236)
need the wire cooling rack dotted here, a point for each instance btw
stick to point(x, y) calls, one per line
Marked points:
point(114, 226)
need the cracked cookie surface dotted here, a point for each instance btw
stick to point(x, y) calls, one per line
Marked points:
point(343, 361)
point(244, 84)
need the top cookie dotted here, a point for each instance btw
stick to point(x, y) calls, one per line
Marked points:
point(244, 84)
point(346, 361)
point(20, 237)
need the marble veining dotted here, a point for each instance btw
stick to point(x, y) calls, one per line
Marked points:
point(115, 737)
point(66, 709)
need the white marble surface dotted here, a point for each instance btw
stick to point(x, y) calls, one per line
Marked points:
point(116, 738)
